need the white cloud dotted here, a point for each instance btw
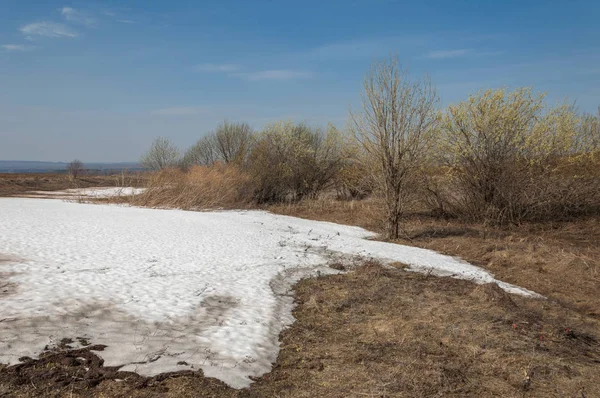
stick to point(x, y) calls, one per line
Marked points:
point(126, 21)
point(217, 68)
point(48, 29)
point(275, 74)
point(443, 54)
point(72, 15)
point(15, 47)
point(181, 111)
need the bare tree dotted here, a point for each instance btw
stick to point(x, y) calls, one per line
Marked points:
point(202, 153)
point(233, 140)
point(229, 143)
point(395, 127)
point(291, 161)
point(161, 155)
point(75, 168)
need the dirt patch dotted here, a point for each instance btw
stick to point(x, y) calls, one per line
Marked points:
point(77, 373)
point(374, 332)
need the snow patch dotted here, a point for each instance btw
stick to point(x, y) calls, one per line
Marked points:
point(84, 193)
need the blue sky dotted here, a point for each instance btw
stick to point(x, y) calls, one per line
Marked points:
point(100, 80)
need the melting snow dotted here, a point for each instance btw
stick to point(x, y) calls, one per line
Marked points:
point(82, 193)
point(169, 290)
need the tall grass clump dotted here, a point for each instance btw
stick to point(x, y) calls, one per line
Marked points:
point(198, 188)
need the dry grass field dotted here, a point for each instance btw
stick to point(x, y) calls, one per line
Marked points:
point(16, 184)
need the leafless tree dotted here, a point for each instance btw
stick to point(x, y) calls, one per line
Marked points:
point(75, 168)
point(229, 143)
point(395, 127)
point(202, 153)
point(233, 140)
point(161, 155)
point(291, 161)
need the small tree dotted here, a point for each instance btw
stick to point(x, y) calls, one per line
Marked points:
point(291, 161)
point(233, 141)
point(161, 155)
point(395, 127)
point(75, 168)
point(229, 143)
point(203, 153)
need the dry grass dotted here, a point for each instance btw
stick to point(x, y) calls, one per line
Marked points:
point(16, 184)
point(384, 333)
point(560, 260)
point(366, 213)
point(200, 188)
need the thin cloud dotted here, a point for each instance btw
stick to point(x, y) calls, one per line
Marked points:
point(444, 54)
point(48, 29)
point(275, 74)
point(129, 21)
point(181, 111)
point(72, 15)
point(217, 68)
point(361, 48)
point(15, 47)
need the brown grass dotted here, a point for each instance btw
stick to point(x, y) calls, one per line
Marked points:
point(560, 260)
point(16, 184)
point(200, 188)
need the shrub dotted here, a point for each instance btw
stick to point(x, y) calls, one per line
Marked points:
point(509, 157)
point(75, 169)
point(352, 181)
point(291, 161)
point(588, 134)
point(162, 154)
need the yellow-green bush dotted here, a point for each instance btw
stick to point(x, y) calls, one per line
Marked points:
point(508, 156)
